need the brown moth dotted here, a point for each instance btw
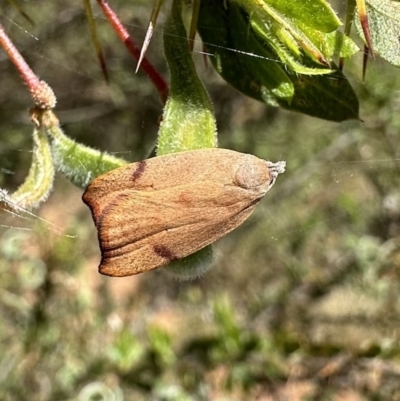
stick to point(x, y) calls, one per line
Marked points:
point(152, 212)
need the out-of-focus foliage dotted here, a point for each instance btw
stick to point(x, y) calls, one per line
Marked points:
point(303, 300)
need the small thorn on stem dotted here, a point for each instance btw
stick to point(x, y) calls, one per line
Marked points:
point(146, 44)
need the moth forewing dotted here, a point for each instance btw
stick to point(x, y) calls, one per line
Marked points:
point(173, 224)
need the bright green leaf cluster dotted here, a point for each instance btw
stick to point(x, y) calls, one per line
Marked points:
point(294, 29)
point(280, 60)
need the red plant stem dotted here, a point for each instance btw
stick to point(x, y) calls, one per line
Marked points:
point(27, 74)
point(123, 34)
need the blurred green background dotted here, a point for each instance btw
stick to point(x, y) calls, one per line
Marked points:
point(303, 300)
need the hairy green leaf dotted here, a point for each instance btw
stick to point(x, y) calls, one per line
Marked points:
point(188, 119)
point(325, 96)
point(78, 162)
point(317, 14)
point(384, 24)
point(281, 24)
point(333, 44)
point(39, 182)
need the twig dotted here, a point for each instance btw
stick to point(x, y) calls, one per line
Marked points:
point(123, 34)
point(41, 93)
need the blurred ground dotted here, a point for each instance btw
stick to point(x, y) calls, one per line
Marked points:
point(303, 300)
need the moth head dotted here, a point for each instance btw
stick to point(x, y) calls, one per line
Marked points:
point(254, 173)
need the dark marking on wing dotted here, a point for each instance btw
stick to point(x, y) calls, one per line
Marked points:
point(99, 217)
point(141, 166)
point(164, 252)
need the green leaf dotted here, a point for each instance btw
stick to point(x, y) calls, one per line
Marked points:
point(330, 97)
point(287, 48)
point(253, 69)
point(384, 24)
point(39, 182)
point(333, 44)
point(78, 162)
point(239, 57)
point(262, 62)
point(188, 119)
point(316, 14)
point(280, 23)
